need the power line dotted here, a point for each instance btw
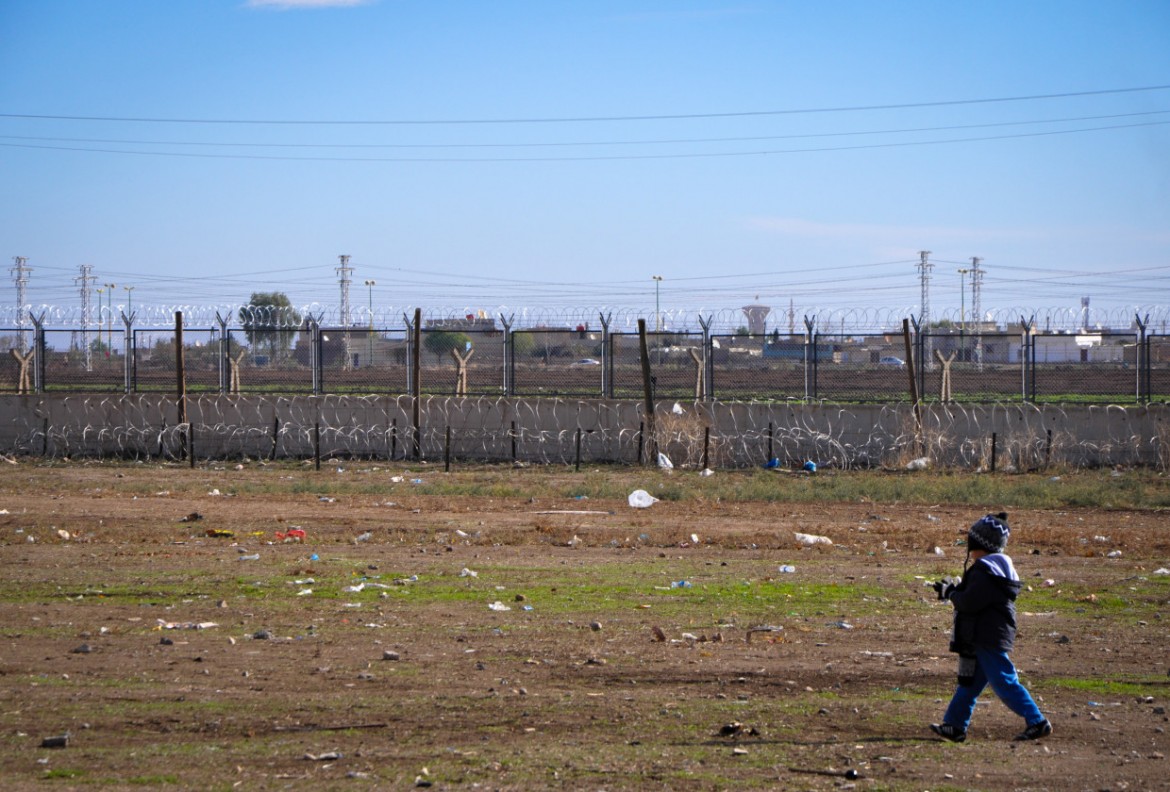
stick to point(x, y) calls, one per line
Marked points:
point(589, 158)
point(593, 119)
point(578, 143)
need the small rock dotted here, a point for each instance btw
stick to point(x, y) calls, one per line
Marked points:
point(595, 626)
point(83, 649)
point(165, 641)
point(61, 741)
point(262, 635)
point(391, 655)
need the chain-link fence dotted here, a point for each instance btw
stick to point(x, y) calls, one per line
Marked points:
point(476, 356)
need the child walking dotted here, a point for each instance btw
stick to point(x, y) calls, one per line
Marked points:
point(984, 632)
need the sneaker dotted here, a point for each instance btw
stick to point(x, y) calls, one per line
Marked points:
point(949, 732)
point(1036, 731)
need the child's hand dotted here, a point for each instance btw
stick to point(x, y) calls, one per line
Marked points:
point(944, 588)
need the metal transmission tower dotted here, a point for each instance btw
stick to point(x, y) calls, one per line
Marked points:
point(343, 273)
point(85, 282)
point(20, 277)
point(976, 309)
point(924, 268)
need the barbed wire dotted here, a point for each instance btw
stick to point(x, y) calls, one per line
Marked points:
point(723, 320)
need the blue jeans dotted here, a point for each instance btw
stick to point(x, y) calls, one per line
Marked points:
point(995, 669)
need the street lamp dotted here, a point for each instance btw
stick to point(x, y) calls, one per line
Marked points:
point(129, 302)
point(110, 317)
point(962, 307)
point(370, 284)
point(657, 312)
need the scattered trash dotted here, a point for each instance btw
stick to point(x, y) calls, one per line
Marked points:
point(461, 533)
point(664, 462)
point(327, 499)
point(364, 537)
point(526, 607)
point(262, 635)
point(812, 539)
point(220, 533)
point(166, 625)
point(938, 551)
point(304, 592)
point(680, 584)
point(325, 757)
point(291, 535)
point(772, 464)
point(499, 606)
point(416, 481)
point(809, 467)
point(192, 517)
point(922, 463)
point(786, 568)
point(354, 589)
point(1049, 582)
point(465, 572)
point(60, 741)
point(391, 655)
point(252, 557)
point(215, 493)
point(694, 538)
point(677, 409)
point(706, 472)
point(1114, 554)
point(659, 635)
point(843, 625)
point(641, 499)
point(595, 626)
point(83, 649)
point(396, 479)
point(314, 557)
point(1162, 571)
point(63, 535)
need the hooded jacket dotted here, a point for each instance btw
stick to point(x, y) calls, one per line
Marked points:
point(985, 606)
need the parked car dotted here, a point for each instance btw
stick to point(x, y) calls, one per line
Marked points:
point(890, 360)
point(587, 362)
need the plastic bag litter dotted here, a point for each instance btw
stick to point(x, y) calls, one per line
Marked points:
point(499, 606)
point(664, 462)
point(677, 410)
point(786, 568)
point(706, 472)
point(641, 499)
point(812, 539)
point(922, 463)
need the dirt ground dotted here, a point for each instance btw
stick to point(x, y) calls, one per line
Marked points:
point(415, 639)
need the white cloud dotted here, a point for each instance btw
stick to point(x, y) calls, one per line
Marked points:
point(285, 5)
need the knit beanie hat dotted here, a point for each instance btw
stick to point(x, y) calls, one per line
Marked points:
point(989, 533)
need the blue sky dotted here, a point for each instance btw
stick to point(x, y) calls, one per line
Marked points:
point(541, 155)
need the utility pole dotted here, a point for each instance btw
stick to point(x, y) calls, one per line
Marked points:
point(924, 268)
point(962, 310)
point(85, 281)
point(20, 277)
point(977, 309)
point(343, 272)
point(110, 319)
point(657, 312)
point(370, 284)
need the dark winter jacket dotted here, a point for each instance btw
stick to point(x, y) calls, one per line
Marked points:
point(985, 606)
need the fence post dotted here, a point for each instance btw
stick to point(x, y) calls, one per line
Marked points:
point(810, 358)
point(225, 348)
point(651, 451)
point(1028, 359)
point(606, 357)
point(181, 381)
point(1142, 353)
point(416, 391)
point(915, 357)
point(40, 349)
point(706, 384)
point(130, 356)
point(509, 356)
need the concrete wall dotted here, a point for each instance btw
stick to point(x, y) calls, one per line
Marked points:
point(547, 430)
